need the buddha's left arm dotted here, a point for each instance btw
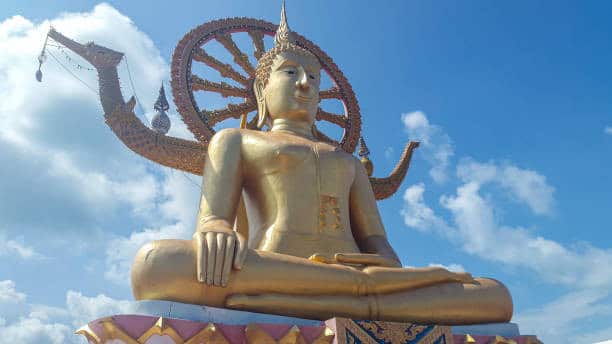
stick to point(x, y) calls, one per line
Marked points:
point(366, 223)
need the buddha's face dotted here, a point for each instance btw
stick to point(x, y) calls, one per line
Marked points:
point(292, 91)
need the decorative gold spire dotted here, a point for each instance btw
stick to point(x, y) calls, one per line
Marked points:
point(283, 33)
point(364, 152)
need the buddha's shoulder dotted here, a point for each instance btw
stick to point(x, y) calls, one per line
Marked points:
point(244, 138)
point(234, 135)
point(337, 150)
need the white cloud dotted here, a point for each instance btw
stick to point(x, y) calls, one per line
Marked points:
point(24, 323)
point(178, 210)
point(33, 331)
point(54, 138)
point(601, 336)
point(524, 185)
point(47, 313)
point(469, 218)
point(77, 173)
point(57, 144)
point(449, 267)
point(389, 152)
point(482, 235)
point(181, 197)
point(83, 309)
point(472, 221)
point(11, 301)
point(138, 192)
point(12, 247)
point(8, 293)
point(418, 215)
point(556, 322)
point(436, 144)
point(120, 252)
point(608, 130)
point(19, 326)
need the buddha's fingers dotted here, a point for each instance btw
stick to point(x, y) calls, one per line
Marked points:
point(227, 261)
point(201, 254)
point(320, 258)
point(241, 252)
point(466, 277)
point(219, 258)
point(364, 259)
point(461, 277)
point(211, 242)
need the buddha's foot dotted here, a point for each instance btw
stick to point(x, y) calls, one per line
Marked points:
point(315, 307)
point(463, 277)
point(480, 301)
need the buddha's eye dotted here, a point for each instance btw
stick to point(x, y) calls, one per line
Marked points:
point(312, 76)
point(290, 72)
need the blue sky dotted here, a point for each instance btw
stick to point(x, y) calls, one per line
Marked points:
point(511, 101)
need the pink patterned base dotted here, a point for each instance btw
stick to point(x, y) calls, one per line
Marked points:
point(140, 329)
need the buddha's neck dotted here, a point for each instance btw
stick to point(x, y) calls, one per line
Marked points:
point(300, 128)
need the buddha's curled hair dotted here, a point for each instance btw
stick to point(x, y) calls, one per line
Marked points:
point(284, 40)
point(264, 65)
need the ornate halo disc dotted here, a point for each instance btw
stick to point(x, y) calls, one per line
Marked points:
point(192, 49)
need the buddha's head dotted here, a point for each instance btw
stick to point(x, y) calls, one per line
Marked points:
point(287, 80)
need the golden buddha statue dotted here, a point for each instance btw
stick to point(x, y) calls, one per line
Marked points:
point(317, 246)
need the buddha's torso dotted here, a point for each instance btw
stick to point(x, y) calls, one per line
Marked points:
point(297, 194)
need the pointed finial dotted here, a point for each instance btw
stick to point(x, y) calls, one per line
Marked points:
point(162, 103)
point(363, 153)
point(283, 33)
point(161, 122)
point(363, 149)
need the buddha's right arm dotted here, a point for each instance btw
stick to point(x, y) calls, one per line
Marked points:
point(217, 246)
point(221, 182)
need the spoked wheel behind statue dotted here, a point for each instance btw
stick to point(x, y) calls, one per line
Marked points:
point(235, 80)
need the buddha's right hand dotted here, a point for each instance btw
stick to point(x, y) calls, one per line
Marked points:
point(216, 253)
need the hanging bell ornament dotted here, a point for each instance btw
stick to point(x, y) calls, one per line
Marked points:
point(41, 58)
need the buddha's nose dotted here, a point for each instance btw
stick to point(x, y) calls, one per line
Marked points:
point(302, 81)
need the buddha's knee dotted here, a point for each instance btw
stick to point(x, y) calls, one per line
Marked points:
point(162, 268)
point(497, 298)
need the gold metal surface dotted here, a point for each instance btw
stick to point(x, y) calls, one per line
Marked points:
point(89, 334)
point(255, 335)
point(302, 198)
point(344, 331)
point(293, 336)
point(110, 331)
point(209, 335)
point(502, 340)
point(160, 328)
point(469, 339)
point(326, 337)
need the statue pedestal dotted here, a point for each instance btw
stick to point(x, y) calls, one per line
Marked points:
point(163, 322)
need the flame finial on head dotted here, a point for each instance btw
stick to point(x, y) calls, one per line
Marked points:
point(283, 33)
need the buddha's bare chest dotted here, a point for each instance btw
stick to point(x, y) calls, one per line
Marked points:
point(300, 165)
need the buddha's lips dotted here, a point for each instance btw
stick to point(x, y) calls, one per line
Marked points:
point(303, 99)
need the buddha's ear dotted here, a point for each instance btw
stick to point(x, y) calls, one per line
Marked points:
point(262, 111)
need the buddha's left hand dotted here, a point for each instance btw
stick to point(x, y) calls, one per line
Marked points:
point(367, 259)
